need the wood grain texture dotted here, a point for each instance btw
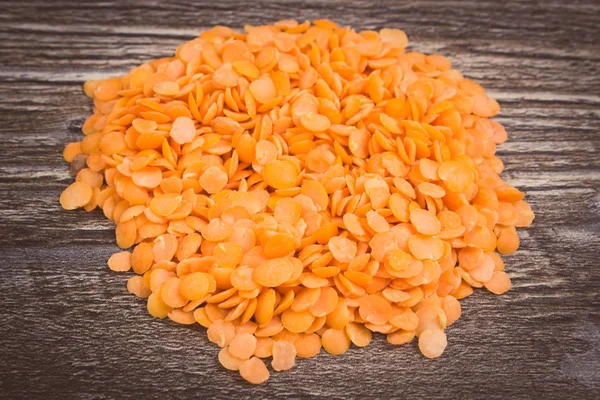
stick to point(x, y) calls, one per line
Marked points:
point(69, 328)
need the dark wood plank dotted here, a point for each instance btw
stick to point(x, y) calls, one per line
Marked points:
point(71, 330)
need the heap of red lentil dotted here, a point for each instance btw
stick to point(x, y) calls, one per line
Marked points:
point(300, 186)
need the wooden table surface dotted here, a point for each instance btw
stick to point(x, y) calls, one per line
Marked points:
point(68, 328)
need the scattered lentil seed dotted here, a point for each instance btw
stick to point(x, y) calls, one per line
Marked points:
point(358, 334)
point(228, 361)
point(135, 285)
point(264, 347)
point(221, 332)
point(299, 187)
point(499, 283)
point(335, 341)
point(254, 371)
point(308, 345)
point(284, 356)
point(78, 194)
point(242, 346)
point(432, 343)
point(120, 262)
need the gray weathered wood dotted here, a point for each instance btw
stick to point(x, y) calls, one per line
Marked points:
point(69, 328)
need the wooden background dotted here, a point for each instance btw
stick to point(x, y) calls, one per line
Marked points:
point(68, 329)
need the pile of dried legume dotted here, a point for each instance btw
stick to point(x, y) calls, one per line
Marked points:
point(300, 186)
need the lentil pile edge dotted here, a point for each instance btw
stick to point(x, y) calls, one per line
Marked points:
point(300, 186)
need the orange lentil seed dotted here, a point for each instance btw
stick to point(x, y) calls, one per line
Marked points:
point(335, 341)
point(228, 361)
point(78, 194)
point(254, 371)
point(432, 343)
point(120, 262)
point(135, 286)
point(284, 356)
point(308, 345)
point(264, 347)
point(358, 334)
point(242, 346)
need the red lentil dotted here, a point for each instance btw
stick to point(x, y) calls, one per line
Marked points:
point(297, 187)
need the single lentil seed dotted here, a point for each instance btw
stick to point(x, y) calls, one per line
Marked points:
point(242, 346)
point(254, 371)
point(228, 361)
point(120, 262)
point(432, 343)
point(284, 356)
